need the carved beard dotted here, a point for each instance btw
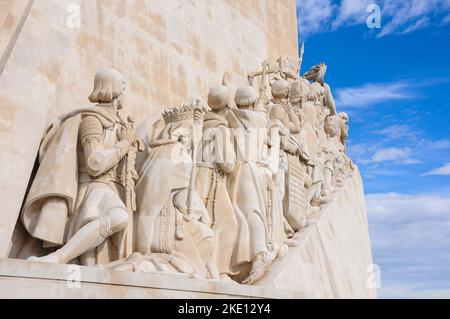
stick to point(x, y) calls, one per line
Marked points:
point(120, 101)
point(331, 130)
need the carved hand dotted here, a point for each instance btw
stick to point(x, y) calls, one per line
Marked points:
point(126, 132)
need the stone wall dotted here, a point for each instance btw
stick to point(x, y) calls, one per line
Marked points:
point(167, 49)
point(23, 279)
point(333, 258)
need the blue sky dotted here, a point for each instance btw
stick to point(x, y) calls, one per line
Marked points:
point(395, 84)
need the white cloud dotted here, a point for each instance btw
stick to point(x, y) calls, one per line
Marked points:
point(314, 15)
point(446, 20)
point(411, 161)
point(399, 132)
point(409, 292)
point(444, 170)
point(399, 145)
point(374, 155)
point(398, 17)
point(394, 208)
point(408, 15)
point(410, 237)
point(419, 24)
point(392, 154)
point(351, 12)
point(439, 145)
point(373, 93)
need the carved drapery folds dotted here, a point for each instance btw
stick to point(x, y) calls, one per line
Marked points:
point(217, 189)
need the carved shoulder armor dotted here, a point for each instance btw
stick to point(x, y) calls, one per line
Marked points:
point(90, 128)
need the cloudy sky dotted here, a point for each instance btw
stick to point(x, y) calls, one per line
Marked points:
point(394, 81)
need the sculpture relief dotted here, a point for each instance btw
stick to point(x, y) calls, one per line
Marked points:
point(250, 185)
point(217, 162)
point(171, 218)
point(216, 188)
point(83, 194)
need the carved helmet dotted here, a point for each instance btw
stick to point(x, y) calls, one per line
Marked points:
point(299, 89)
point(316, 73)
point(280, 88)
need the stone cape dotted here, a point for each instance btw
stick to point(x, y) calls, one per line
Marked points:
point(168, 57)
point(58, 156)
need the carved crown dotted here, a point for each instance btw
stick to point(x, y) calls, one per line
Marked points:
point(174, 114)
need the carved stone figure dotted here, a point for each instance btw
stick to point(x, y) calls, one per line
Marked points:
point(290, 177)
point(168, 221)
point(344, 127)
point(298, 96)
point(219, 192)
point(82, 197)
point(333, 151)
point(303, 98)
point(282, 108)
point(324, 96)
point(214, 164)
point(250, 184)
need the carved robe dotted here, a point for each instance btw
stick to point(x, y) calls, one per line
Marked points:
point(65, 195)
point(229, 225)
point(250, 184)
point(159, 221)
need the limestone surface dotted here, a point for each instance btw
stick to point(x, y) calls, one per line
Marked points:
point(173, 140)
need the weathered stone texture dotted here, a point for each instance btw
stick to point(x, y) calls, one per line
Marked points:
point(333, 258)
point(168, 50)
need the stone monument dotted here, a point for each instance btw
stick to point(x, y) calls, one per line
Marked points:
point(172, 149)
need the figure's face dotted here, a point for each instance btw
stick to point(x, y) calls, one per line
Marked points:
point(344, 118)
point(121, 101)
point(330, 128)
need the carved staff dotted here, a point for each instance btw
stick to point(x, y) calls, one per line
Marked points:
point(131, 176)
point(196, 139)
point(263, 99)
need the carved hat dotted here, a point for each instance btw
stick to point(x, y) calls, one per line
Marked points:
point(299, 89)
point(246, 95)
point(280, 88)
point(109, 84)
point(190, 110)
point(218, 97)
point(185, 112)
point(316, 73)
